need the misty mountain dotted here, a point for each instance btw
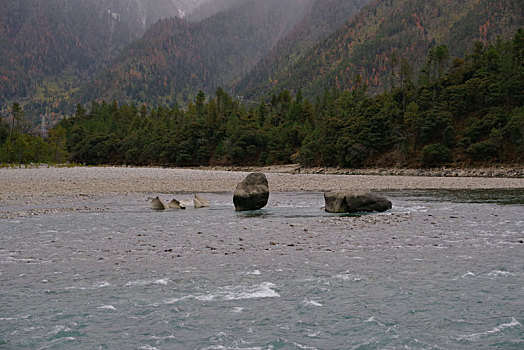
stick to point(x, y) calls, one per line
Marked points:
point(209, 8)
point(405, 29)
point(324, 18)
point(176, 58)
point(47, 46)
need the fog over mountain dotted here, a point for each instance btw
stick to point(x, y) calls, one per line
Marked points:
point(47, 47)
point(55, 53)
point(176, 58)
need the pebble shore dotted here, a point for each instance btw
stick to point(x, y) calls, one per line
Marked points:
point(42, 190)
point(41, 184)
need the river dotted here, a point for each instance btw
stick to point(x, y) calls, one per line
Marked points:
point(441, 270)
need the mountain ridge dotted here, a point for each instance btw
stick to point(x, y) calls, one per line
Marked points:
point(325, 17)
point(55, 44)
point(365, 45)
point(176, 58)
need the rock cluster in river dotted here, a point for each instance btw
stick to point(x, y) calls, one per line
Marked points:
point(197, 202)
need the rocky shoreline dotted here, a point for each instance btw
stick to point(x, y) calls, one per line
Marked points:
point(491, 172)
point(40, 190)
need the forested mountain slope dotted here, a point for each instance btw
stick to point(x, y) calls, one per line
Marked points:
point(48, 46)
point(325, 17)
point(176, 58)
point(471, 114)
point(390, 32)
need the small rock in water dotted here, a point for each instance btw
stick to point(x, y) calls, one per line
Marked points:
point(157, 204)
point(200, 202)
point(174, 204)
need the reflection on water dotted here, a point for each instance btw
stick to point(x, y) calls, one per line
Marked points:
point(442, 269)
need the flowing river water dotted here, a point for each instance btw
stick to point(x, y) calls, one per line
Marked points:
point(441, 270)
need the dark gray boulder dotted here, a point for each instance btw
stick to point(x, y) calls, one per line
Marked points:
point(355, 202)
point(252, 193)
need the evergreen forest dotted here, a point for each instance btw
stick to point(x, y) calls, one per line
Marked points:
point(462, 111)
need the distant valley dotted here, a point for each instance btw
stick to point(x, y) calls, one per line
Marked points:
point(360, 83)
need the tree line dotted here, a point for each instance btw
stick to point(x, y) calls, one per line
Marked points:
point(19, 145)
point(464, 111)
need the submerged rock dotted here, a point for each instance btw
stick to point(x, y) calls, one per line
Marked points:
point(354, 202)
point(200, 202)
point(252, 193)
point(157, 204)
point(174, 204)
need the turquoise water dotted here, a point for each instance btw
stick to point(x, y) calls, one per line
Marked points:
point(442, 270)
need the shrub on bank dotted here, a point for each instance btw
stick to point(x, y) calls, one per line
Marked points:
point(435, 155)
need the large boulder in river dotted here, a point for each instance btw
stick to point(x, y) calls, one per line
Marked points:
point(157, 204)
point(252, 193)
point(355, 202)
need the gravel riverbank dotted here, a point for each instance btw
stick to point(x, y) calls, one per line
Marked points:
point(40, 185)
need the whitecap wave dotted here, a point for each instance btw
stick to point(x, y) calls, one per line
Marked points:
point(373, 319)
point(413, 209)
point(466, 275)
point(312, 303)
point(498, 273)
point(475, 336)
point(162, 281)
point(176, 300)
point(102, 284)
point(348, 277)
point(169, 337)
point(148, 347)
point(300, 346)
point(106, 307)
point(140, 283)
point(64, 339)
point(263, 290)
point(58, 329)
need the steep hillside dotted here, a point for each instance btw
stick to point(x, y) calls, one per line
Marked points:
point(176, 58)
point(472, 114)
point(388, 32)
point(48, 46)
point(325, 17)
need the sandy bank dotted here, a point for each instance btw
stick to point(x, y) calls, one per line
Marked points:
point(38, 185)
